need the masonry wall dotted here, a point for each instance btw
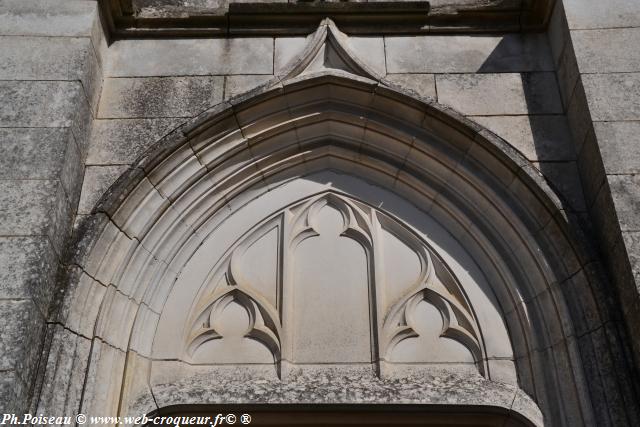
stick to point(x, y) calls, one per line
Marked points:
point(75, 113)
point(595, 49)
point(50, 82)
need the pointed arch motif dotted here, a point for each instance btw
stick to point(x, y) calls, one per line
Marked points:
point(494, 213)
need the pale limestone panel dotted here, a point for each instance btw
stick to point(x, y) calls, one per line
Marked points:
point(122, 141)
point(29, 207)
point(40, 153)
point(38, 103)
point(235, 85)
point(613, 96)
point(486, 94)
point(20, 338)
point(97, 179)
point(619, 147)
point(50, 18)
point(468, 54)
point(422, 84)
point(166, 57)
point(607, 51)
point(538, 138)
point(625, 190)
point(286, 50)
point(370, 50)
point(589, 14)
point(151, 97)
point(27, 267)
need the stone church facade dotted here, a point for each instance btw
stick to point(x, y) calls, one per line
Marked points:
point(426, 205)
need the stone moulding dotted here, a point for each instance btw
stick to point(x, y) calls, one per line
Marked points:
point(149, 228)
point(124, 19)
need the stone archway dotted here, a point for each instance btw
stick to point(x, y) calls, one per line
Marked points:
point(472, 210)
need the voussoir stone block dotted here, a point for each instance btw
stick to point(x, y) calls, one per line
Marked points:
point(159, 96)
point(468, 54)
point(137, 58)
point(47, 18)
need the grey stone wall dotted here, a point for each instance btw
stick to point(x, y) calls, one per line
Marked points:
point(50, 79)
point(594, 46)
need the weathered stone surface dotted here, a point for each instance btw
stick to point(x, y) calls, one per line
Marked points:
point(50, 18)
point(468, 54)
point(565, 178)
point(13, 393)
point(613, 96)
point(578, 115)
point(422, 84)
point(499, 94)
point(121, 141)
point(38, 103)
point(20, 339)
point(587, 14)
point(557, 31)
point(97, 179)
point(618, 143)
point(41, 153)
point(371, 51)
point(568, 73)
point(159, 96)
point(137, 58)
point(34, 207)
point(235, 85)
point(607, 51)
point(286, 50)
point(591, 168)
point(538, 138)
point(625, 190)
point(65, 372)
point(632, 245)
point(27, 269)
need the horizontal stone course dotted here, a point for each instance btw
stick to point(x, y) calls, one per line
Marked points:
point(121, 141)
point(607, 51)
point(422, 84)
point(585, 14)
point(619, 147)
point(538, 138)
point(625, 190)
point(39, 103)
point(41, 153)
point(139, 58)
point(613, 96)
point(47, 18)
point(499, 94)
point(34, 207)
point(468, 54)
point(235, 85)
point(27, 269)
point(159, 96)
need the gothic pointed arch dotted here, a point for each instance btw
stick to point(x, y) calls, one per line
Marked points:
point(465, 265)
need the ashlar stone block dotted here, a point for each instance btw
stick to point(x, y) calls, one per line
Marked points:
point(159, 96)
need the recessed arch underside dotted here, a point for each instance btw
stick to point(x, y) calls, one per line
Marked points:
point(499, 228)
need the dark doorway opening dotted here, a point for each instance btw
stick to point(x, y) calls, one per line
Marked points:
point(293, 415)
